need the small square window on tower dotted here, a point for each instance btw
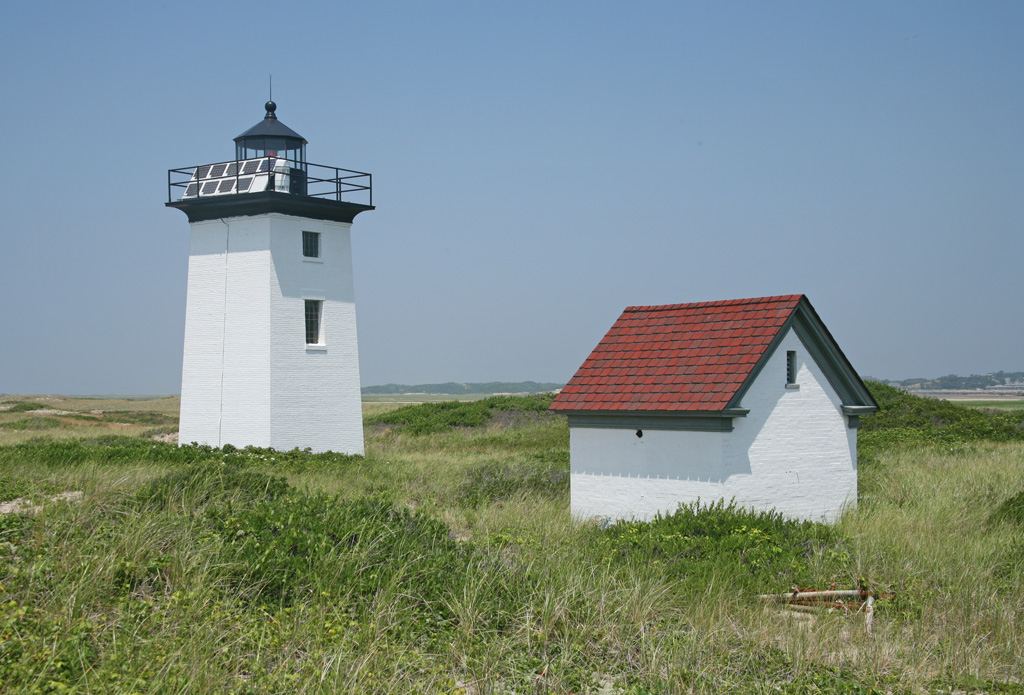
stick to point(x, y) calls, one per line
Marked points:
point(314, 311)
point(311, 244)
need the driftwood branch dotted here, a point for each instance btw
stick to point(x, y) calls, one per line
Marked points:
point(846, 600)
point(816, 595)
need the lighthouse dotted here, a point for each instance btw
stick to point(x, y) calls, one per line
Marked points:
point(271, 357)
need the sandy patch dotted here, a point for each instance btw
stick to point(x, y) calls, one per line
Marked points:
point(21, 505)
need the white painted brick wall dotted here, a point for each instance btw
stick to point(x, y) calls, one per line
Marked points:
point(247, 376)
point(316, 395)
point(792, 452)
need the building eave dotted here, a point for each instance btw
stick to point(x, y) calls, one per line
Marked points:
point(680, 420)
point(265, 202)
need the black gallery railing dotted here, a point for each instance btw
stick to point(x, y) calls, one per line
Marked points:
point(238, 177)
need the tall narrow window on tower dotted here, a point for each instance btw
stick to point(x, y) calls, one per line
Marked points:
point(311, 244)
point(791, 367)
point(314, 309)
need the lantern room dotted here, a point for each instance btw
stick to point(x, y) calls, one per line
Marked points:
point(270, 160)
point(272, 138)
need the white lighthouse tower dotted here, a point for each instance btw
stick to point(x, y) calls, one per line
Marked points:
point(270, 322)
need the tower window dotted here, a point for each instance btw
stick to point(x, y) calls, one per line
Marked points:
point(311, 244)
point(790, 367)
point(314, 310)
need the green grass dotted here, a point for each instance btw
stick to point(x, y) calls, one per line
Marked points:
point(445, 561)
point(1011, 405)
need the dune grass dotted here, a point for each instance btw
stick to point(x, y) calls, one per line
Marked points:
point(446, 562)
point(61, 417)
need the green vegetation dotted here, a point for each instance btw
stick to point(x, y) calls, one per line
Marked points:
point(33, 423)
point(701, 545)
point(74, 418)
point(139, 418)
point(445, 561)
point(909, 419)
point(453, 389)
point(952, 382)
point(69, 454)
point(438, 417)
point(996, 406)
point(22, 406)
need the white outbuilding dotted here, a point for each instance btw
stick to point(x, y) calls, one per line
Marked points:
point(271, 356)
point(749, 400)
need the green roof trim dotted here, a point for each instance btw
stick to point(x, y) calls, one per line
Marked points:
point(713, 421)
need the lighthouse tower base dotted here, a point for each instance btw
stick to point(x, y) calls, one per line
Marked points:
point(271, 358)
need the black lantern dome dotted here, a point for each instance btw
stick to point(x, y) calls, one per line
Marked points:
point(272, 138)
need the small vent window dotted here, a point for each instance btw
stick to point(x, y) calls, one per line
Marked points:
point(314, 310)
point(311, 244)
point(790, 367)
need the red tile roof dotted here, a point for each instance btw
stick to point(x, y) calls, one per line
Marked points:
point(689, 357)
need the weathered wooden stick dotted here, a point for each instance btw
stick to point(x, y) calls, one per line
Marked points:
point(838, 603)
point(801, 609)
point(869, 613)
point(805, 595)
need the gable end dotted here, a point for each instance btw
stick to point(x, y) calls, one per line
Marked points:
point(825, 352)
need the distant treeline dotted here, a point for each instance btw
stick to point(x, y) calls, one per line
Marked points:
point(952, 382)
point(453, 389)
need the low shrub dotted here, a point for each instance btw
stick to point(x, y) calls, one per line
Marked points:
point(15, 486)
point(24, 407)
point(905, 419)
point(124, 450)
point(132, 417)
point(108, 449)
point(48, 653)
point(36, 422)
point(699, 544)
point(428, 418)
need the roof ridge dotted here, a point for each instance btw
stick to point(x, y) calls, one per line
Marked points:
point(774, 299)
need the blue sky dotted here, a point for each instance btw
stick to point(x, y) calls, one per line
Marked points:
point(538, 166)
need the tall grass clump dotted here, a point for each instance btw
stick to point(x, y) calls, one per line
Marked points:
point(197, 486)
point(493, 481)
point(280, 551)
point(1010, 511)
